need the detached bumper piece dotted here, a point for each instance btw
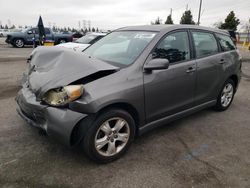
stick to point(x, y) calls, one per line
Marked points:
point(57, 122)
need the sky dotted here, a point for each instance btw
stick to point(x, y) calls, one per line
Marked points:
point(112, 14)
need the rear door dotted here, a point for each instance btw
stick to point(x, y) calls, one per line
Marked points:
point(48, 33)
point(208, 61)
point(171, 90)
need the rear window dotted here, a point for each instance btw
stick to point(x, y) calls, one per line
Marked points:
point(226, 42)
point(205, 44)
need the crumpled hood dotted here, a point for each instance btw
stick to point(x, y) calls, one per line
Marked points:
point(53, 67)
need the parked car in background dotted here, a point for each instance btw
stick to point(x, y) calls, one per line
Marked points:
point(77, 35)
point(129, 82)
point(25, 37)
point(83, 42)
point(4, 32)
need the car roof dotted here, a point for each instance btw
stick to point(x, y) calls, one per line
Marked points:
point(169, 27)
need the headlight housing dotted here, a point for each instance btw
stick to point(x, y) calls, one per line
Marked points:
point(64, 95)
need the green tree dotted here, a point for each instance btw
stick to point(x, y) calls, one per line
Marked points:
point(13, 27)
point(6, 27)
point(156, 22)
point(169, 20)
point(231, 22)
point(187, 18)
point(93, 29)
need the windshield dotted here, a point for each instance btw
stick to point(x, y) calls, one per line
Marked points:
point(86, 39)
point(120, 48)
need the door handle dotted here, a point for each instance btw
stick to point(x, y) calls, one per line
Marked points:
point(190, 70)
point(222, 61)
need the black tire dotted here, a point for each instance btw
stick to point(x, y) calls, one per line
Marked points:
point(88, 142)
point(61, 41)
point(219, 105)
point(19, 43)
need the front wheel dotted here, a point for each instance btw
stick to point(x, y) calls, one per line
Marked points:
point(19, 43)
point(226, 95)
point(109, 136)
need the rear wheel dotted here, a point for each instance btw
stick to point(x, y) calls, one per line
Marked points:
point(61, 41)
point(19, 43)
point(226, 95)
point(109, 136)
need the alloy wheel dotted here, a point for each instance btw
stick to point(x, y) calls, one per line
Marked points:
point(227, 95)
point(19, 43)
point(112, 137)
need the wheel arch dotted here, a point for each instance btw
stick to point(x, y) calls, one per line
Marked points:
point(16, 38)
point(234, 77)
point(83, 125)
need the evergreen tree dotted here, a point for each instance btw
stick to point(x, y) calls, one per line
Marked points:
point(13, 27)
point(156, 22)
point(231, 22)
point(169, 20)
point(6, 27)
point(97, 30)
point(93, 29)
point(187, 18)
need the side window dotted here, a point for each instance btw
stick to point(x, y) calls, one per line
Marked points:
point(34, 30)
point(175, 47)
point(226, 42)
point(47, 31)
point(205, 44)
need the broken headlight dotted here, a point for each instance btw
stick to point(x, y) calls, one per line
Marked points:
point(64, 95)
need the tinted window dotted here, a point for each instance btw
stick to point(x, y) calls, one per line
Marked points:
point(175, 47)
point(47, 31)
point(205, 44)
point(226, 42)
point(34, 30)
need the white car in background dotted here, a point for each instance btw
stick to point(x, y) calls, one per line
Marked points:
point(82, 43)
point(4, 32)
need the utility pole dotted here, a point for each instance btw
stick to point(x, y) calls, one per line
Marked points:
point(199, 16)
point(171, 12)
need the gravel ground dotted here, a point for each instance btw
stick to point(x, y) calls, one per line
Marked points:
point(207, 149)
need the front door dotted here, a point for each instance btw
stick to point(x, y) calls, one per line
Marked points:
point(172, 90)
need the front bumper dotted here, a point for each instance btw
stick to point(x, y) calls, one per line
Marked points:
point(8, 41)
point(57, 122)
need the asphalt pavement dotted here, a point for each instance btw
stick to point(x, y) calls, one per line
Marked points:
point(207, 149)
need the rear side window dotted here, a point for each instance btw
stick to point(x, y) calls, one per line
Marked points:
point(47, 31)
point(225, 42)
point(174, 47)
point(205, 44)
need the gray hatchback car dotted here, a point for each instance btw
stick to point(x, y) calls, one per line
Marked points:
point(132, 80)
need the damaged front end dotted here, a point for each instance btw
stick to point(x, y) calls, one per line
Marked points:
point(56, 77)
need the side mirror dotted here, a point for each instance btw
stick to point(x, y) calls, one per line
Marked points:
point(156, 64)
point(30, 32)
